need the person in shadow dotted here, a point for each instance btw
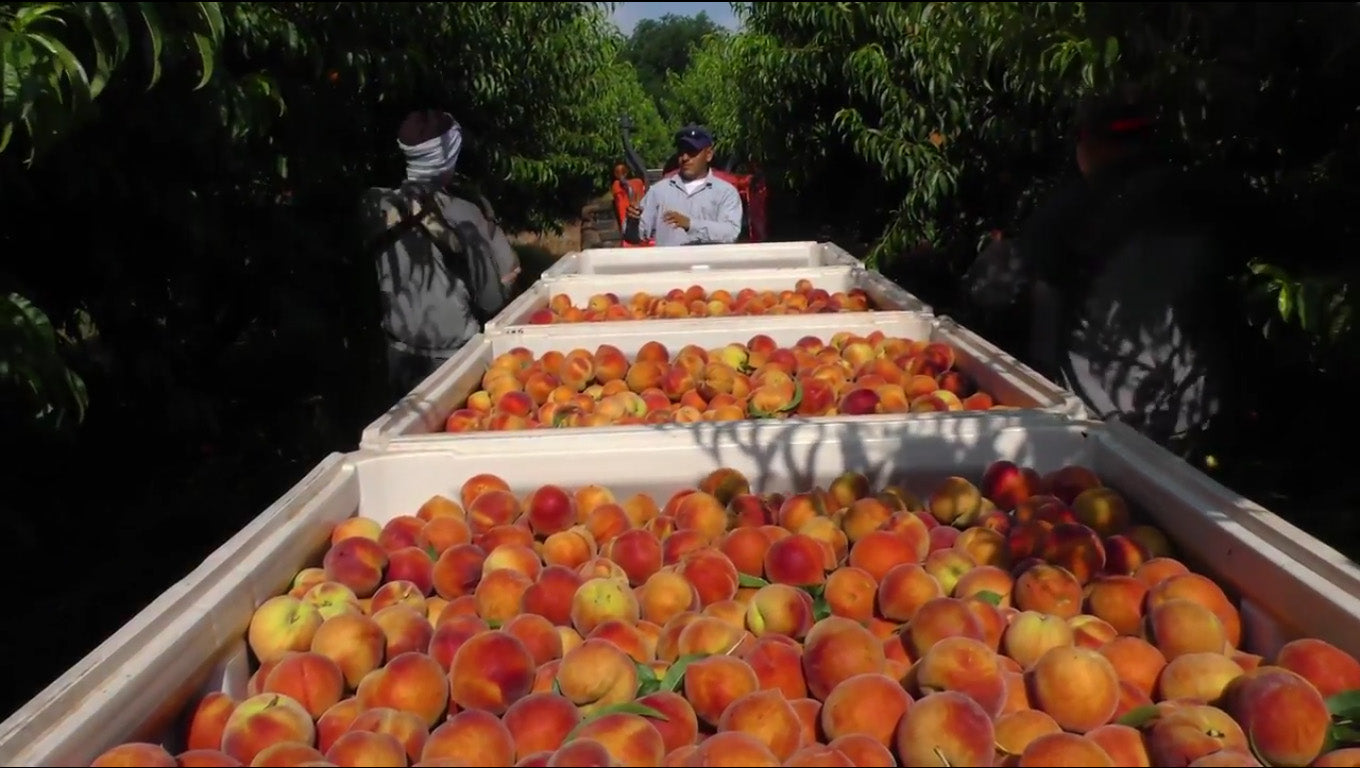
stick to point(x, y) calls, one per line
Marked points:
point(444, 264)
point(1122, 274)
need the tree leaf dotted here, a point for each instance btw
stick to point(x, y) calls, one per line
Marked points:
point(675, 673)
point(747, 581)
point(1140, 716)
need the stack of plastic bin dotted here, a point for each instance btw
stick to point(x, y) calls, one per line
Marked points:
point(138, 684)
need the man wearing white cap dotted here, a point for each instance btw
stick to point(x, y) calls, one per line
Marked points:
point(444, 265)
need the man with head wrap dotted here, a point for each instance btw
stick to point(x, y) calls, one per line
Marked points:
point(444, 265)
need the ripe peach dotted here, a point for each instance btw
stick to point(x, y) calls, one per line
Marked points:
point(986, 579)
point(778, 664)
point(945, 728)
point(818, 755)
point(407, 728)
point(1091, 632)
point(1117, 600)
point(766, 715)
point(955, 499)
point(779, 609)
point(475, 736)
point(458, 570)
point(1200, 676)
point(798, 559)
point(1284, 717)
point(732, 748)
point(630, 739)
point(938, 619)
point(397, 593)
point(1063, 749)
point(1077, 686)
point(490, 671)
point(851, 592)
point(539, 636)
point(1122, 743)
point(551, 594)
point(331, 598)
point(336, 721)
point(360, 526)
point(863, 750)
point(284, 624)
point(1180, 626)
point(904, 589)
point(712, 574)
point(1136, 661)
point(197, 758)
point(208, 719)
point(1123, 555)
point(404, 629)
point(1017, 730)
point(680, 726)
point(947, 565)
point(366, 748)
point(836, 649)
point(1048, 589)
point(1346, 757)
point(965, 665)
point(712, 683)
point(708, 635)
point(596, 674)
point(135, 754)
point(984, 546)
point(1185, 733)
point(1330, 669)
point(599, 599)
point(309, 678)
point(1227, 757)
point(1200, 589)
point(870, 703)
point(262, 720)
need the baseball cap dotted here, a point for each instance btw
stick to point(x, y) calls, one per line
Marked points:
point(694, 137)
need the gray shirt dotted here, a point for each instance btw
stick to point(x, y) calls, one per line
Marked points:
point(714, 211)
point(428, 303)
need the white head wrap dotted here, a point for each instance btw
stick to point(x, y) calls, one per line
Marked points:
point(436, 157)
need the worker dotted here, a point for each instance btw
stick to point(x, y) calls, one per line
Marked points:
point(1122, 276)
point(444, 264)
point(691, 207)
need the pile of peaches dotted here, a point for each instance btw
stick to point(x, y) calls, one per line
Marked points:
point(1023, 620)
point(696, 301)
point(845, 374)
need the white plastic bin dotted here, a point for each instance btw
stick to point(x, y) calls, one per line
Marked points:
point(191, 639)
point(883, 293)
point(419, 417)
point(700, 258)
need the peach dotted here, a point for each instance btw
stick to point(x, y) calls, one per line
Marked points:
point(877, 551)
point(1017, 730)
point(679, 726)
point(870, 703)
point(284, 624)
point(550, 596)
point(208, 719)
point(1122, 743)
point(712, 683)
point(638, 553)
point(707, 635)
point(630, 739)
point(197, 758)
point(938, 619)
point(397, 593)
point(629, 638)
point(1007, 484)
point(946, 564)
point(955, 500)
point(965, 665)
point(491, 671)
point(407, 728)
point(768, 716)
point(309, 678)
point(581, 752)
point(851, 592)
point(1227, 757)
point(1123, 555)
point(1159, 569)
point(984, 546)
point(1077, 686)
point(779, 609)
point(570, 548)
point(904, 589)
point(778, 664)
point(596, 674)
point(836, 649)
point(818, 755)
point(1136, 661)
point(1199, 589)
point(136, 753)
point(745, 546)
point(665, 595)
point(1117, 600)
point(539, 636)
point(863, 750)
point(945, 728)
point(1346, 757)
point(732, 748)
point(712, 574)
point(987, 581)
point(1048, 589)
point(599, 599)
point(331, 598)
point(1103, 510)
point(1330, 669)
point(1200, 676)
point(1091, 632)
point(1077, 548)
point(1284, 717)
point(1180, 626)
point(366, 748)
point(404, 629)
point(336, 721)
point(452, 632)
point(1183, 734)
point(457, 570)
point(360, 526)
point(262, 720)
point(1062, 749)
point(473, 737)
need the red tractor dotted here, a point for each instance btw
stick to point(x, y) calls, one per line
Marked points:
point(602, 221)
